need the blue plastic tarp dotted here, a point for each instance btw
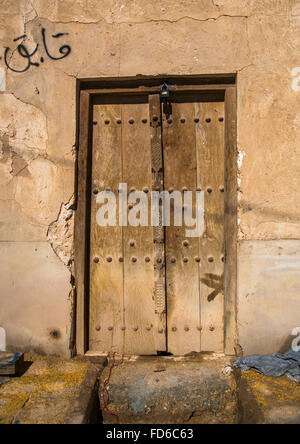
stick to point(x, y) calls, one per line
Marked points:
point(274, 365)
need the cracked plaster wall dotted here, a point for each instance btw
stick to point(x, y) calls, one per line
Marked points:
point(257, 39)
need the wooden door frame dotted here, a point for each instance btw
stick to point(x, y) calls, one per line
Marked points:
point(86, 91)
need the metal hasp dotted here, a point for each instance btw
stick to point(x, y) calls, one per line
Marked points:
point(158, 231)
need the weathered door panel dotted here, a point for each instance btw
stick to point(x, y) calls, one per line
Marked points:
point(122, 280)
point(106, 272)
point(193, 136)
point(141, 333)
point(182, 270)
point(210, 141)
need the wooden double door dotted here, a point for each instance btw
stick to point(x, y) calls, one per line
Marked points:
point(153, 289)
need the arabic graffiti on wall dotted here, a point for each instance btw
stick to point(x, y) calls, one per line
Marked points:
point(28, 56)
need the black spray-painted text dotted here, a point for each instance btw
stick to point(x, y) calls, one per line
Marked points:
point(31, 57)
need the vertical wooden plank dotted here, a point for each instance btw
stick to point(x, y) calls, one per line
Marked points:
point(140, 336)
point(106, 271)
point(80, 224)
point(159, 231)
point(231, 339)
point(182, 270)
point(210, 148)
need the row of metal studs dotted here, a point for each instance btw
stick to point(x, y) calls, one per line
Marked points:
point(171, 190)
point(133, 244)
point(158, 260)
point(169, 121)
point(174, 329)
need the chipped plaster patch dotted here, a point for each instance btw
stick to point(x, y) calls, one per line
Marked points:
point(60, 233)
point(19, 166)
point(2, 80)
point(14, 118)
point(241, 155)
point(296, 79)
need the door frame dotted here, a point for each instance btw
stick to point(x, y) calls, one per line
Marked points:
point(224, 86)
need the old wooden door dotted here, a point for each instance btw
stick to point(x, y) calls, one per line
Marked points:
point(153, 289)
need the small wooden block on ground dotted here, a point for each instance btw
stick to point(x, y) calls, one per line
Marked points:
point(11, 363)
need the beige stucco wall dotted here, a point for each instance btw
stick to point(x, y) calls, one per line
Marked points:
point(257, 39)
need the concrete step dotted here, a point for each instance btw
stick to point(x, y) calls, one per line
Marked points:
point(169, 390)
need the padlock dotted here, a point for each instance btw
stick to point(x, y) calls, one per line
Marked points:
point(164, 93)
